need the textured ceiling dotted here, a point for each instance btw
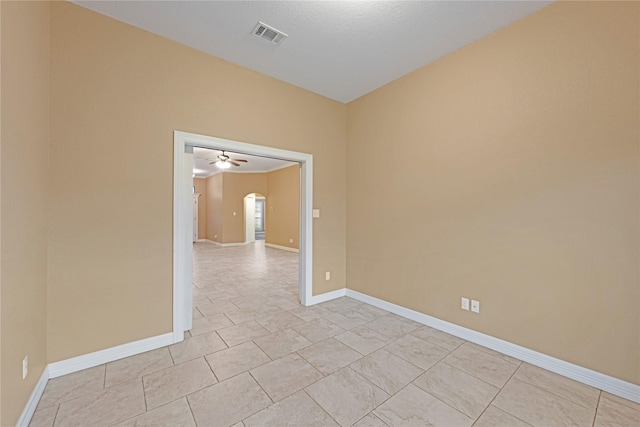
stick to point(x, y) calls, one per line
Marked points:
point(339, 49)
point(203, 156)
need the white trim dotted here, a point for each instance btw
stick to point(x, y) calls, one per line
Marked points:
point(252, 171)
point(205, 176)
point(277, 168)
point(327, 296)
point(181, 216)
point(201, 240)
point(595, 379)
point(96, 358)
point(34, 399)
point(179, 262)
point(284, 248)
point(224, 245)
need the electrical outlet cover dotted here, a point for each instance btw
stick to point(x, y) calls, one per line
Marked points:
point(475, 306)
point(464, 303)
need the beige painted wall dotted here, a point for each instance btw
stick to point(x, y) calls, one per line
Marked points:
point(235, 187)
point(201, 187)
point(214, 208)
point(283, 207)
point(517, 184)
point(117, 95)
point(25, 125)
point(225, 193)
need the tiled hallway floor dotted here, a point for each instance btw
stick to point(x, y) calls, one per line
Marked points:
point(256, 357)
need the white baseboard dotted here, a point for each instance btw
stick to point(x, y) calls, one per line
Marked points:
point(327, 296)
point(284, 248)
point(34, 399)
point(90, 360)
point(201, 240)
point(595, 379)
point(224, 245)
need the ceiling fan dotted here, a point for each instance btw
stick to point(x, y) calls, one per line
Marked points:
point(223, 161)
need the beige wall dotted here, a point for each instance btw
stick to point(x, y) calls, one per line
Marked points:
point(201, 187)
point(116, 95)
point(225, 195)
point(516, 183)
point(25, 125)
point(521, 187)
point(283, 207)
point(235, 187)
point(214, 208)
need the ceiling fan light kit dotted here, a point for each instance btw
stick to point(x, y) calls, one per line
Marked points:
point(224, 162)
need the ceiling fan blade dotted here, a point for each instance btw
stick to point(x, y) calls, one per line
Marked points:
point(239, 160)
point(215, 161)
point(233, 163)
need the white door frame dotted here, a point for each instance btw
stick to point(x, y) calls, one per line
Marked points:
point(182, 218)
point(250, 213)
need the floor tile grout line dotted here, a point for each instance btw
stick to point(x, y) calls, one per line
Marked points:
point(448, 404)
point(443, 360)
point(104, 377)
point(597, 406)
point(317, 403)
point(193, 416)
point(433, 343)
point(273, 402)
point(56, 415)
point(211, 368)
point(498, 393)
point(553, 393)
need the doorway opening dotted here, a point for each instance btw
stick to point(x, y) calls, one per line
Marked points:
point(254, 217)
point(184, 144)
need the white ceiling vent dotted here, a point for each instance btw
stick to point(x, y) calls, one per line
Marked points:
point(269, 33)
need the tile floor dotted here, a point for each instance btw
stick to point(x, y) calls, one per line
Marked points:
point(255, 357)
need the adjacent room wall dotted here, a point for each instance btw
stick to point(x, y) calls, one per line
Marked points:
point(214, 208)
point(283, 207)
point(235, 187)
point(508, 172)
point(25, 51)
point(117, 94)
point(201, 187)
point(225, 193)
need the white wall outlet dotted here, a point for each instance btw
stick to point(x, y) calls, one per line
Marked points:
point(315, 213)
point(25, 367)
point(290, 240)
point(464, 303)
point(327, 275)
point(475, 306)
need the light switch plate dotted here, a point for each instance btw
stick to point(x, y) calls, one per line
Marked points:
point(316, 213)
point(464, 303)
point(25, 367)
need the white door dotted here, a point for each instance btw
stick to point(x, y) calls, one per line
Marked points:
point(250, 218)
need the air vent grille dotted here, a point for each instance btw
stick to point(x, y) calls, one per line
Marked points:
point(269, 33)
